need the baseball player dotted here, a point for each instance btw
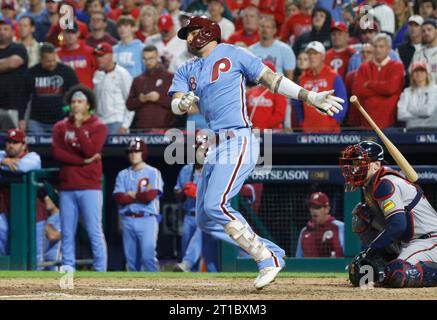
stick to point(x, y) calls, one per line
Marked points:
point(77, 144)
point(52, 231)
point(404, 221)
point(137, 191)
point(15, 158)
point(216, 81)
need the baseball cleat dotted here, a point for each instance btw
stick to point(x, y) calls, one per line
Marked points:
point(181, 267)
point(266, 276)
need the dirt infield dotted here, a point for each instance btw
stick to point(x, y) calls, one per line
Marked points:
point(201, 288)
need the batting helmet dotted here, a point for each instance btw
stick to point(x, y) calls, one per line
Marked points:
point(209, 31)
point(355, 161)
point(137, 145)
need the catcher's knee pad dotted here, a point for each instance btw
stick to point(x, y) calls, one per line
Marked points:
point(402, 274)
point(247, 240)
point(429, 273)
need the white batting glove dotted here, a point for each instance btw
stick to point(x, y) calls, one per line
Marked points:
point(187, 101)
point(325, 102)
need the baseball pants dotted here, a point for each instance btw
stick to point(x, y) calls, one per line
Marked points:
point(4, 234)
point(191, 243)
point(419, 250)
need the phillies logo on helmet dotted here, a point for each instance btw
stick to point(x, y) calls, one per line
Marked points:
point(223, 65)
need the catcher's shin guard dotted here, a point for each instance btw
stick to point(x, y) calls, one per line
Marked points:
point(402, 274)
point(429, 273)
point(247, 240)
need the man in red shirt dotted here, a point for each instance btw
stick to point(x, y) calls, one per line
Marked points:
point(249, 34)
point(320, 77)
point(323, 236)
point(78, 56)
point(379, 83)
point(298, 23)
point(266, 109)
point(338, 56)
point(77, 144)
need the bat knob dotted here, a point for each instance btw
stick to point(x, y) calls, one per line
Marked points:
point(353, 99)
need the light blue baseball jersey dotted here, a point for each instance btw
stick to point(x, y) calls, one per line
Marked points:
point(187, 174)
point(219, 80)
point(55, 221)
point(30, 161)
point(130, 56)
point(148, 178)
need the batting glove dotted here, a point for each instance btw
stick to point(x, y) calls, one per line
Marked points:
point(187, 101)
point(325, 102)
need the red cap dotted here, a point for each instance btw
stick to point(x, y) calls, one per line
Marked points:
point(102, 49)
point(165, 22)
point(419, 65)
point(16, 135)
point(318, 199)
point(8, 4)
point(270, 64)
point(340, 26)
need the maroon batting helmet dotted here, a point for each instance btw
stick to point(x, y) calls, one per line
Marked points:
point(137, 145)
point(209, 31)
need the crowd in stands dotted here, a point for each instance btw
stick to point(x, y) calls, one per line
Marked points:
point(382, 51)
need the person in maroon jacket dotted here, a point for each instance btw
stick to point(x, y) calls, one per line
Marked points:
point(323, 236)
point(148, 94)
point(77, 144)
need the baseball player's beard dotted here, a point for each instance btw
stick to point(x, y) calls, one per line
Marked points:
point(193, 50)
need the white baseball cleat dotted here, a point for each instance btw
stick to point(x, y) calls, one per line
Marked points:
point(266, 276)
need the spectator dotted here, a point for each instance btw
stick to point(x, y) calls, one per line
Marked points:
point(274, 8)
point(427, 8)
point(320, 77)
point(35, 10)
point(137, 191)
point(268, 48)
point(216, 9)
point(428, 53)
point(320, 31)
point(266, 109)
point(26, 26)
point(8, 10)
point(15, 158)
point(48, 17)
point(338, 57)
point(78, 56)
point(13, 65)
point(303, 64)
point(166, 41)
point(128, 8)
point(299, 23)
point(200, 8)
point(413, 43)
point(173, 8)
point(147, 23)
point(148, 94)
point(46, 84)
point(249, 34)
point(160, 6)
point(384, 14)
point(334, 7)
point(379, 83)
point(111, 87)
point(291, 7)
point(418, 103)
point(323, 236)
point(128, 50)
point(93, 6)
point(402, 11)
point(77, 144)
point(97, 35)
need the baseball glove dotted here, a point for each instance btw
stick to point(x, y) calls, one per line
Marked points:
point(366, 258)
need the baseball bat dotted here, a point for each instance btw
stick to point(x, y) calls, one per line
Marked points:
point(405, 166)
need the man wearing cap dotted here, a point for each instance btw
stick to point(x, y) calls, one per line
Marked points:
point(323, 236)
point(15, 158)
point(13, 65)
point(78, 56)
point(137, 191)
point(384, 14)
point(413, 44)
point(216, 8)
point(249, 34)
point(379, 84)
point(166, 41)
point(320, 77)
point(128, 50)
point(338, 56)
point(77, 144)
point(428, 53)
point(45, 86)
point(112, 83)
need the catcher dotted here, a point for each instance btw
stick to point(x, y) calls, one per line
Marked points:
point(396, 224)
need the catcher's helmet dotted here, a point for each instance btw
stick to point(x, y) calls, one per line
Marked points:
point(355, 161)
point(137, 145)
point(209, 31)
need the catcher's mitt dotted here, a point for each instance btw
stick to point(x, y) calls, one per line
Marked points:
point(366, 258)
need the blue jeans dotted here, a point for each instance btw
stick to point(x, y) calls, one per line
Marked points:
point(36, 127)
point(113, 127)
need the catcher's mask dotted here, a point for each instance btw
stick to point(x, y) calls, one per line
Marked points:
point(209, 31)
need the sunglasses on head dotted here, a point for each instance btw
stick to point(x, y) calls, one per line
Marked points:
point(316, 206)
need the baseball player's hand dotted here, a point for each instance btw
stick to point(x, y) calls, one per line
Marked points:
point(11, 163)
point(325, 102)
point(190, 190)
point(132, 194)
point(187, 101)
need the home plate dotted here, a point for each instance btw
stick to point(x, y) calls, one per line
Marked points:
point(127, 289)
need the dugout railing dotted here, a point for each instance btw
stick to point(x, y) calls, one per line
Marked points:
point(282, 207)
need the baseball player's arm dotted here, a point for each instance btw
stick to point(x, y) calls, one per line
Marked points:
point(93, 144)
point(182, 102)
point(31, 161)
point(323, 101)
point(52, 234)
point(120, 195)
point(147, 196)
point(60, 153)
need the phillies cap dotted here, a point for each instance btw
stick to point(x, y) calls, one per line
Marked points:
point(416, 19)
point(102, 49)
point(318, 199)
point(16, 135)
point(340, 26)
point(165, 22)
point(419, 66)
point(316, 46)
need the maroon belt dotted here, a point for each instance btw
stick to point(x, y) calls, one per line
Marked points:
point(134, 214)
